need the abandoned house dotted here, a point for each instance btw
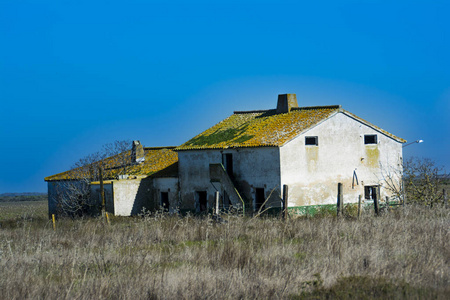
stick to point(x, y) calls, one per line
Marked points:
point(250, 155)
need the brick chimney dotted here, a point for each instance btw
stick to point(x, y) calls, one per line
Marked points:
point(137, 152)
point(286, 102)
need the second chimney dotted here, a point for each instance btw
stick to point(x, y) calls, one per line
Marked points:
point(137, 152)
point(286, 102)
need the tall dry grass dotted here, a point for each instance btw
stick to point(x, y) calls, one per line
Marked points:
point(404, 253)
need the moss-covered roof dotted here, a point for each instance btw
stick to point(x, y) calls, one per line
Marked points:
point(159, 162)
point(265, 128)
point(259, 128)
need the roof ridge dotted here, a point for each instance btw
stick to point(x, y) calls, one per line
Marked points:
point(336, 106)
point(317, 107)
point(236, 112)
point(158, 148)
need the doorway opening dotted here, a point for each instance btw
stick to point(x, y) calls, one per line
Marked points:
point(226, 203)
point(371, 192)
point(202, 201)
point(227, 161)
point(259, 199)
point(165, 204)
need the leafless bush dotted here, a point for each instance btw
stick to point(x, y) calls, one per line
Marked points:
point(73, 194)
point(423, 181)
point(187, 258)
point(418, 180)
point(391, 177)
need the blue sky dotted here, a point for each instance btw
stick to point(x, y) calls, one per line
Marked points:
point(75, 75)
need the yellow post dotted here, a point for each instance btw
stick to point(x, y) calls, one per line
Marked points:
point(107, 218)
point(54, 222)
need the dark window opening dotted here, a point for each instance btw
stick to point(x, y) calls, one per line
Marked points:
point(202, 201)
point(371, 192)
point(370, 139)
point(312, 141)
point(259, 199)
point(227, 161)
point(165, 201)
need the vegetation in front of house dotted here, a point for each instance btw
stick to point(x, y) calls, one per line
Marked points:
point(403, 253)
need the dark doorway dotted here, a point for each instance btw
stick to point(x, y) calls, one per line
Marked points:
point(227, 161)
point(259, 199)
point(165, 201)
point(202, 201)
point(226, 201)
point(371, 192)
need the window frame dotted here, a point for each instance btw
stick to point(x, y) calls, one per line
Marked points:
point(367, 136)
point(316, 140)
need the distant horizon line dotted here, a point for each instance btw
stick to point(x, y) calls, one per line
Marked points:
point(23, 194)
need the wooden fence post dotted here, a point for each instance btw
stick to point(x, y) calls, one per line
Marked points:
point(359, 206)
point(340, 199)
point(285, 201)
point(376, 201)
point(445, 198)
point(217, 202)
point(387, 203)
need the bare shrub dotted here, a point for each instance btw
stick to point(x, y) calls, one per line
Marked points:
point(423, 181)
point(417, 181)
point(73, 193)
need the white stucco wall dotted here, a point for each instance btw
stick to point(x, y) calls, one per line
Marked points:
point(170, 186)
point(252, 167)
point(131, 196)
point(193, 171)
point(313, 172)
point(259, 168)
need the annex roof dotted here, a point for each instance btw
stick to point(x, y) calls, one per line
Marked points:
point(159, 162)
point(265, 128)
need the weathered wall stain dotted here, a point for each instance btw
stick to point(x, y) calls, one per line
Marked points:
point(372, 156)
point(312, 158)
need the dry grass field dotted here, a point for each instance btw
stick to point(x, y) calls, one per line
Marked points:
point(402, 254)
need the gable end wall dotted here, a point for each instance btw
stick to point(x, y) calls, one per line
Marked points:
point(313, 172)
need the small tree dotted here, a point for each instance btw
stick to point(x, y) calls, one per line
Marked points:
point(423, 181)
point(418, 180)
point(73, 193)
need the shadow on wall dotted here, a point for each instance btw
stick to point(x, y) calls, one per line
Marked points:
point(144, 197)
